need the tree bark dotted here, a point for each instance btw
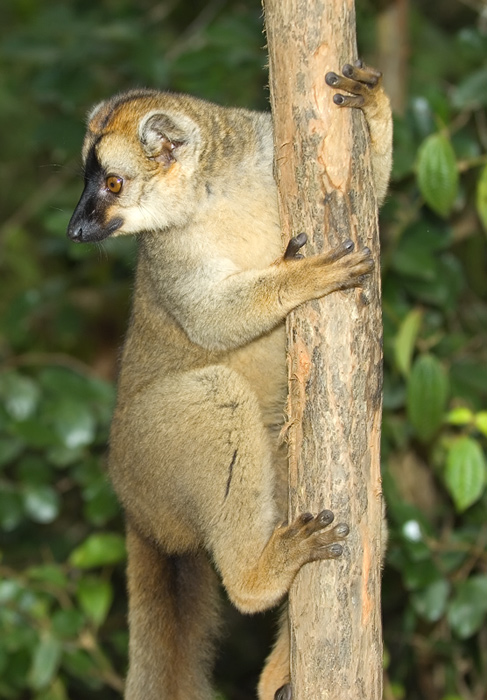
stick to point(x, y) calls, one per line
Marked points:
point(334, 352)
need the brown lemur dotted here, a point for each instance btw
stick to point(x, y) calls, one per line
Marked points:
point(194, 451)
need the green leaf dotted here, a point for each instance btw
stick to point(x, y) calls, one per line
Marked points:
point(472, 372)
point(45, 662)
point(468, 607)
point(81, 664)
point(437, 173)
point(417, 250)
point(34, 470)
point(481, 422)
point(427, 393)
point(20, 395)
point(60, 382)
point(99, 549)
point(35, 603)
point(11, 513)
point(444, 285)
point(73, 422)
point(465, 472)
point(9, 590)
point(481, 197)
point(419, 574)
point(405, 340)
point(471, 93)
point(430, 602)
point(50, 573)
point(460, 416)
point(67, 623)
point(61, 456)
point(101, 504)
point(41, 503)
point(10, 448)
point(15, 675)
point(36, 434)
point(95, 597)
point(414, 530)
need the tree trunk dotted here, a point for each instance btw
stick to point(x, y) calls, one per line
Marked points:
point(335, 357)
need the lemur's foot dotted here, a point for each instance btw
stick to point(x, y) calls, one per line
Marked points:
point(359, 80)
point(312, 537)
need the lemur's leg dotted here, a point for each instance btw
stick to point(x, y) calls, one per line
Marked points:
point(232, 494)
point(274, 679)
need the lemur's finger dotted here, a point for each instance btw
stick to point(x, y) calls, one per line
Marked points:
point(362, 73)
point(348, 100)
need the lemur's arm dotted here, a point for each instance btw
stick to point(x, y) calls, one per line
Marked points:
point(233, 311)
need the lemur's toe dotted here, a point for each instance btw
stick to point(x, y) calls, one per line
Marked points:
point(361, 73)
point(294, 245)
point(284, 693)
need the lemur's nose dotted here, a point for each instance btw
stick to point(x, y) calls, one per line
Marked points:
point(75, 233)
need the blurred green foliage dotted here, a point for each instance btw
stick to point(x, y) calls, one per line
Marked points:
point(63, 309)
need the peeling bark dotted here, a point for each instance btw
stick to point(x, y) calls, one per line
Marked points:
point(323, 173)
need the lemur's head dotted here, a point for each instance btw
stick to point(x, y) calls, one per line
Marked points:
point(140, 156)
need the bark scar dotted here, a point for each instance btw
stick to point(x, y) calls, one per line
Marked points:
point(366, 601)
point(299, 362)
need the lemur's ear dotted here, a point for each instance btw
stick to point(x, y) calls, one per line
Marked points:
point(97, 114)
point(163, 136)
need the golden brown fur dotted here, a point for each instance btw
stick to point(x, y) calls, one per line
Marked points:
point(194, 455)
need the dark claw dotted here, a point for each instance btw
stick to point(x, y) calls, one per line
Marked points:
point(342, 529)
point(331, 78)
point(306, 517)
point(367, 251)
point(359, 63)
point(294, 245)
point(284, 693)
point(325, 517)
point(362, 73)
point(336, 550)
point(338, 99)
point(344, 248)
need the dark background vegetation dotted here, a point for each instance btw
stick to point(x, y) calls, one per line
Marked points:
point(63, 310)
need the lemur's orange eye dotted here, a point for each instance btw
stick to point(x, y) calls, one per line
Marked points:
point(114, 183)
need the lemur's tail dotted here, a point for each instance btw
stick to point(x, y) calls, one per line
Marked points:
point(174, 621)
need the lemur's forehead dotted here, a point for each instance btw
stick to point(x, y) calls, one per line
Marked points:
point(120, 153)
point(114, 153)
